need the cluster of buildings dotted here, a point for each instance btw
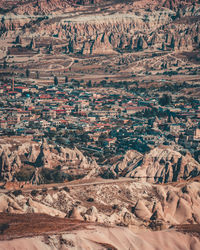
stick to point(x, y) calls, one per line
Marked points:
point(98, 120)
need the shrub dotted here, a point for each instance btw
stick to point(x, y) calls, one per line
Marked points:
point(3, 227)
point(34, 192)
point(44, 190)
point(25, 173)
point(66, 189)
point(53, 175)
point(115, 206)
point(17, 192)
point(90, 199)
point(132, 210)
point(165, 100)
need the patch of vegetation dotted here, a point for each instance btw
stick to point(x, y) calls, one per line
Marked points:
point(115, 206)
point(108, 175)
point(165, 100)
point(90, 199)
point(66, 189)
point(52, 175)
point(25, 173)
point(34, 192)
point(17, 192)
point(44, 190)
point(3, 227)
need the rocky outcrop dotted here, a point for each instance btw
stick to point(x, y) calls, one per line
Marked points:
point(94, 172)
point(8, 204)
point(75, 214)
point(5, 166)
point(160, 165)
point(37, 177)
point(114, 34)
point(124, 203)
point(44, 157)
point(40, 157)
point(32, 155)
point(17, 162)
point(142, 211)
point(130, 161)
point(36, 207)
point(179, 206)
point(9, 165)
point(165, 29)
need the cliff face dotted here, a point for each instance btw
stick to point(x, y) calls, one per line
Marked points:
point(53, 5)
point(125, 34)
point(160, 165)
point(41, 162)
point(142, 205)
point(109, 31)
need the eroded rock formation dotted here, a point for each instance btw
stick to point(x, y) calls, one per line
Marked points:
point(44, 163)
point(170, 29)
point(160, 165)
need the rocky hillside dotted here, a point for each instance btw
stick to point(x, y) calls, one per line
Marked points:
point(160, 165)
point(42, 163)
point(25, 6)
point(96, 237)
point(142, 205)
point(105, 32)
point(33, 6)
point(39, 163)
point(132, 37)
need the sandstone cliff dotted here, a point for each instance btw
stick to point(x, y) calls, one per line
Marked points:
point(160, 165)
point(41, 163)
point(142, 205)
point(165, 29)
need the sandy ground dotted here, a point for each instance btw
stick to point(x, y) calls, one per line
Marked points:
point(107, 238)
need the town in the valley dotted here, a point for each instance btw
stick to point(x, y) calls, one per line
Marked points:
point(103, 119)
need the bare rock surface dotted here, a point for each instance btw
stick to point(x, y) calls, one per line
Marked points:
point(8, 204)
point(37, 207)
point(104, 238)
point(160, 165)
point(136, 203)
point(40, 156)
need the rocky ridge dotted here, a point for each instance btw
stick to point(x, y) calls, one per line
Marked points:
point(46, 6)
point(47, 163)
point(142, 205)
point(40, 157)
point(160, 165)
point(109, 32)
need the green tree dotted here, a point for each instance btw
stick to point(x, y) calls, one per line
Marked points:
point(4, 64)
point(172, 44)
point(165, 100)
point(89, 84)
point(37, 74)
point(32, 44)
point(101, 139)
point(55, 80)
point(27, 73)
point(18, 39)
